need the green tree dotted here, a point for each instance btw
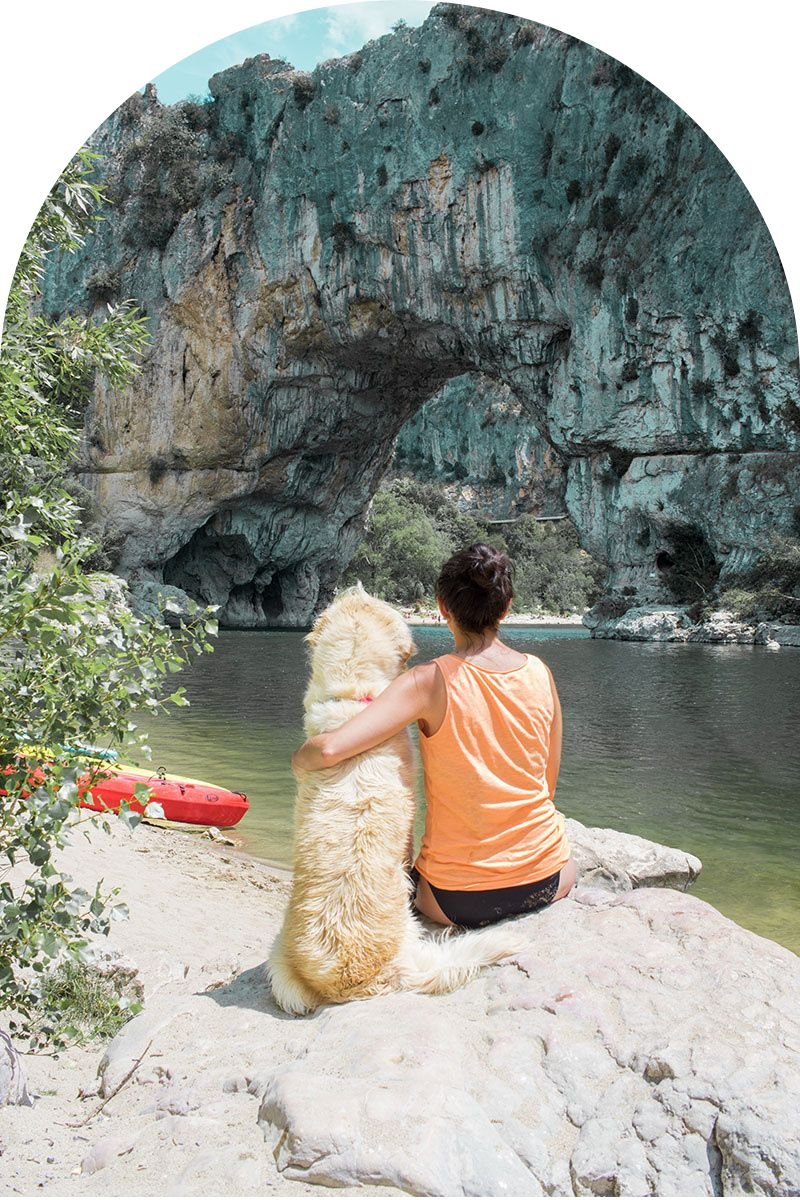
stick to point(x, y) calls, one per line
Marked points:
point(553, 572)
point(75, 663)
point(413, 527)
point(402, 551)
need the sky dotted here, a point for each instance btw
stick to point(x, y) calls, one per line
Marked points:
point(303, 39)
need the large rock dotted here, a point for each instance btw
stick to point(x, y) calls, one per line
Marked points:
point(623, 861)
point(319, 254)
point(643, 1045)
point(672, 623)
point(786, 635)
point(642, 623)
point(160, 601)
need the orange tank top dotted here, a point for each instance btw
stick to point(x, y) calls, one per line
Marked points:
point(491, 821)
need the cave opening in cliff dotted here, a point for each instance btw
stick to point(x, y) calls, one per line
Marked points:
point(687, 565)
point(255, 604)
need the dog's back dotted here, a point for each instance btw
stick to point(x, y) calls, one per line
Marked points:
point(349, 931)
point(345, 920)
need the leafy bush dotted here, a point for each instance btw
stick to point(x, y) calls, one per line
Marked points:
point(400, 557)
point(553, 573)
point(740, 602)
point(87, 1003)
point(772, 587)
point(303, 90)
point(75, 663)
point(166, 160)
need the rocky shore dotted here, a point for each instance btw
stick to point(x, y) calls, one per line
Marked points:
point(672, 623)
point(643, 1044)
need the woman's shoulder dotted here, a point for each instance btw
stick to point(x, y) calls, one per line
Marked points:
point(539, 665)
point(426, 675)
point(543, 676)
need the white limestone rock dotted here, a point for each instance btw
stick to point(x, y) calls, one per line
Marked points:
point(623, 861)
point(646, 623)
point(722, 626)
point(103, 1153)
point(424, 1137)
point(134, 1041)
point(643, 1044)
point(786, 635)
point(161, 601)
point(13, 1089)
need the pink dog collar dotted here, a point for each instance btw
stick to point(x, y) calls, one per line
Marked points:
point(366, 699)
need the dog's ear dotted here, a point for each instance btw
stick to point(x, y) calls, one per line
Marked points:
point(317, 630)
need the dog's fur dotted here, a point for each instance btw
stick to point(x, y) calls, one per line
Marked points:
point(348, 931)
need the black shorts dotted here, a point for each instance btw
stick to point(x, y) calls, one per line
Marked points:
point(475, 909)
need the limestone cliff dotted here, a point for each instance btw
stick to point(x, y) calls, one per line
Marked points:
point(319, 254)
point(475, 439)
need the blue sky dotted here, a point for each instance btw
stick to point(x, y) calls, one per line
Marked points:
point(303, 39)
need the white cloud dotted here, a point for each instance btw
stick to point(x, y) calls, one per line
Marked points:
point(281, 27)
point(349, 26)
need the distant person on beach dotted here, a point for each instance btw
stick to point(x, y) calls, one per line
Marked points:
point(489, 720)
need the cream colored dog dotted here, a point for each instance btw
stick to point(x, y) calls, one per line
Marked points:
point(349, 931)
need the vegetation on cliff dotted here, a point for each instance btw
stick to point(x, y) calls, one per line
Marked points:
point(771, 589)
point(413, 527)
point(75, 663)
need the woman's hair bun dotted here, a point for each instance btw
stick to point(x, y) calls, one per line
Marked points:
point(476, 586)
point(488, 566)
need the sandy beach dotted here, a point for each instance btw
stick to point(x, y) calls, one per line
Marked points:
point(201, 915)
point(432, 617)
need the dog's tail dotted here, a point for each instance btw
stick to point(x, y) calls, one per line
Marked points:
point(444, 962)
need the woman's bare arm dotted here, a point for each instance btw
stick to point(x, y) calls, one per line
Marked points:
point(406, 699)
point(554, 760)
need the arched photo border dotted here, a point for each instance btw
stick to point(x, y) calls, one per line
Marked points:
point(65, 68)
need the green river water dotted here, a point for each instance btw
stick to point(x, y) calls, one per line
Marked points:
point(694, 746)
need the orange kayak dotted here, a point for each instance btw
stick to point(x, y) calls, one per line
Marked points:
point(186, 801)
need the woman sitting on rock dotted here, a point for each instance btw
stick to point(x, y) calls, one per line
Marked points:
point(490, 740)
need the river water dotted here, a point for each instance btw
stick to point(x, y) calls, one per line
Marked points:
point(695, 746)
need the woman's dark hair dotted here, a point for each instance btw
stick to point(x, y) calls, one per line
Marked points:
point(476, 586)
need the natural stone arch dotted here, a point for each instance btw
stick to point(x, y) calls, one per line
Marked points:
point(481, 194)
point(474, 440)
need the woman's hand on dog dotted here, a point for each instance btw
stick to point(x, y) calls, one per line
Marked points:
point(407, 698)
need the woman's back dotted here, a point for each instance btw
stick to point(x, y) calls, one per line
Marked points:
point(490, 817)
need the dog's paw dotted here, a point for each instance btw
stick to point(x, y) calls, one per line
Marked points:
point(290, 993)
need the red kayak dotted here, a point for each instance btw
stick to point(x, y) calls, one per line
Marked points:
point(188, 801)
point(185, 801)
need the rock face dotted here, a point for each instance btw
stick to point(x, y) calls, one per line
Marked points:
point(476, 439)
point(13, 1089)
point(319, 254)
point(622, 861)
point(628, 1052)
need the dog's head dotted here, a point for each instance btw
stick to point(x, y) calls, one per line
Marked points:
point(359, 645)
